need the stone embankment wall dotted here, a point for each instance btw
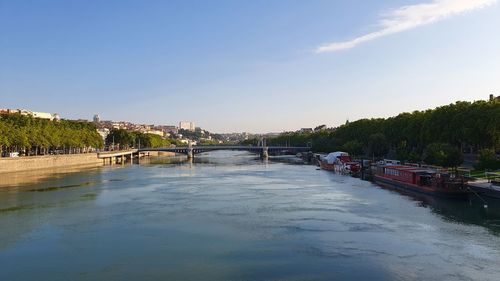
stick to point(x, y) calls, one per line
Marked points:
point(18, 164)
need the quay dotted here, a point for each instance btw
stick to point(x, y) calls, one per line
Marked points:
point(117, 157)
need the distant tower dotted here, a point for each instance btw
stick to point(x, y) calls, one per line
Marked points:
point(97, 119)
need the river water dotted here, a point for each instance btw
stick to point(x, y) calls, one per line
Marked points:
point(230, 216)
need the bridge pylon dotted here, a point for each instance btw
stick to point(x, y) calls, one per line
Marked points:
point(264, 153)
point(189, 151)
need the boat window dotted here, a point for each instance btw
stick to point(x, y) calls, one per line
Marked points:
point(425, 180)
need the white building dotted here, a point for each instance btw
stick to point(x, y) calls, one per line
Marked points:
point(34, 114)
point(187, 125)
point(104, 133)
point(187, 141)
point(154, 132)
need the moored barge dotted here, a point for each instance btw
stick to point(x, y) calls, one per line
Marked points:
point(489, 189)
point(422, 180)
point(340, 162)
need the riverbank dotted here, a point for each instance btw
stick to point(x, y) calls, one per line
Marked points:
point(20, 164)
point(51, 162)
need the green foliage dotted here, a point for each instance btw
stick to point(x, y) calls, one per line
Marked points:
point(290, 139)
point(353, 147)
point(126, 139)
point(488, 160)
point(464, 126)
point(121, 137)
point(35, 136)
point(377, 145)
point(252, 141)
point(443, 154)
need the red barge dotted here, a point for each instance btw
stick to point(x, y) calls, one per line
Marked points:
point(422, 180)
point(340, 162)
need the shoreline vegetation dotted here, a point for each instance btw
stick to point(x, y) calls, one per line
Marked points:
point(440, 136)
point(31, 136)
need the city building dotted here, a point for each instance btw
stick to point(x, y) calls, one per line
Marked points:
point(187, 125)
point(97, 119)
point(154, 132)
point(34, 114)
point(493, 98)
point(103, 132)
point(320, 128)
point(170, 129)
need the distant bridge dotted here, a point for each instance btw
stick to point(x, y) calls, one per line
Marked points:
point(120, 156)
point(190, 151)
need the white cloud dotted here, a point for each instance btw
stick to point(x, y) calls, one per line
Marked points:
point(408, 17)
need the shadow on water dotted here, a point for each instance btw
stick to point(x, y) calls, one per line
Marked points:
point(288, 159)
point(27, 204)
point(52, 188)
point(221, 158)
point(475, 211)
point(211, 158)
point(33, 177)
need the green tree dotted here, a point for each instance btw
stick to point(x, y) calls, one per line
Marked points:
point(443, 154)
point(121, 137)
point(377, 145)
point(353, 147)
point(487, 160)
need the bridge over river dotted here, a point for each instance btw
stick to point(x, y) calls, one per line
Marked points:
point(264, 151)
point(190, 151)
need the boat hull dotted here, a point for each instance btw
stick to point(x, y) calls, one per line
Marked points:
point(415, 188)
point(325, 166)
point(485, 191)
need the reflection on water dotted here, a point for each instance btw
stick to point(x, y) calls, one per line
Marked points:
point(24, 178)
point(231, 216)
point(483, 211)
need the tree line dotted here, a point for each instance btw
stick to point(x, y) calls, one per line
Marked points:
point(436, 136)
point(125, 139)
point(35, 136)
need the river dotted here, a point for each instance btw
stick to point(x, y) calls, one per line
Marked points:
point(230, 216)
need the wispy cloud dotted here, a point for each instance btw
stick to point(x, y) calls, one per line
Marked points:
point(408, 17)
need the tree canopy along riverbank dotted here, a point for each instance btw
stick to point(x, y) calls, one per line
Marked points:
point(436, 136)
point(35, 136)
point(126, 139)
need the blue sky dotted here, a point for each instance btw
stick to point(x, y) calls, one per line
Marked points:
point(256, 66)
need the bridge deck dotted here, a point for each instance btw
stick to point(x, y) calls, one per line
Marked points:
point(107, 154)
point(203, 148)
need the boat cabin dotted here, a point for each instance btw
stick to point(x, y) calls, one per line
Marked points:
point(408, 174)
point(337, 157)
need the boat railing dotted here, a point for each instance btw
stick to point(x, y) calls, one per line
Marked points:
point(492, 177)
